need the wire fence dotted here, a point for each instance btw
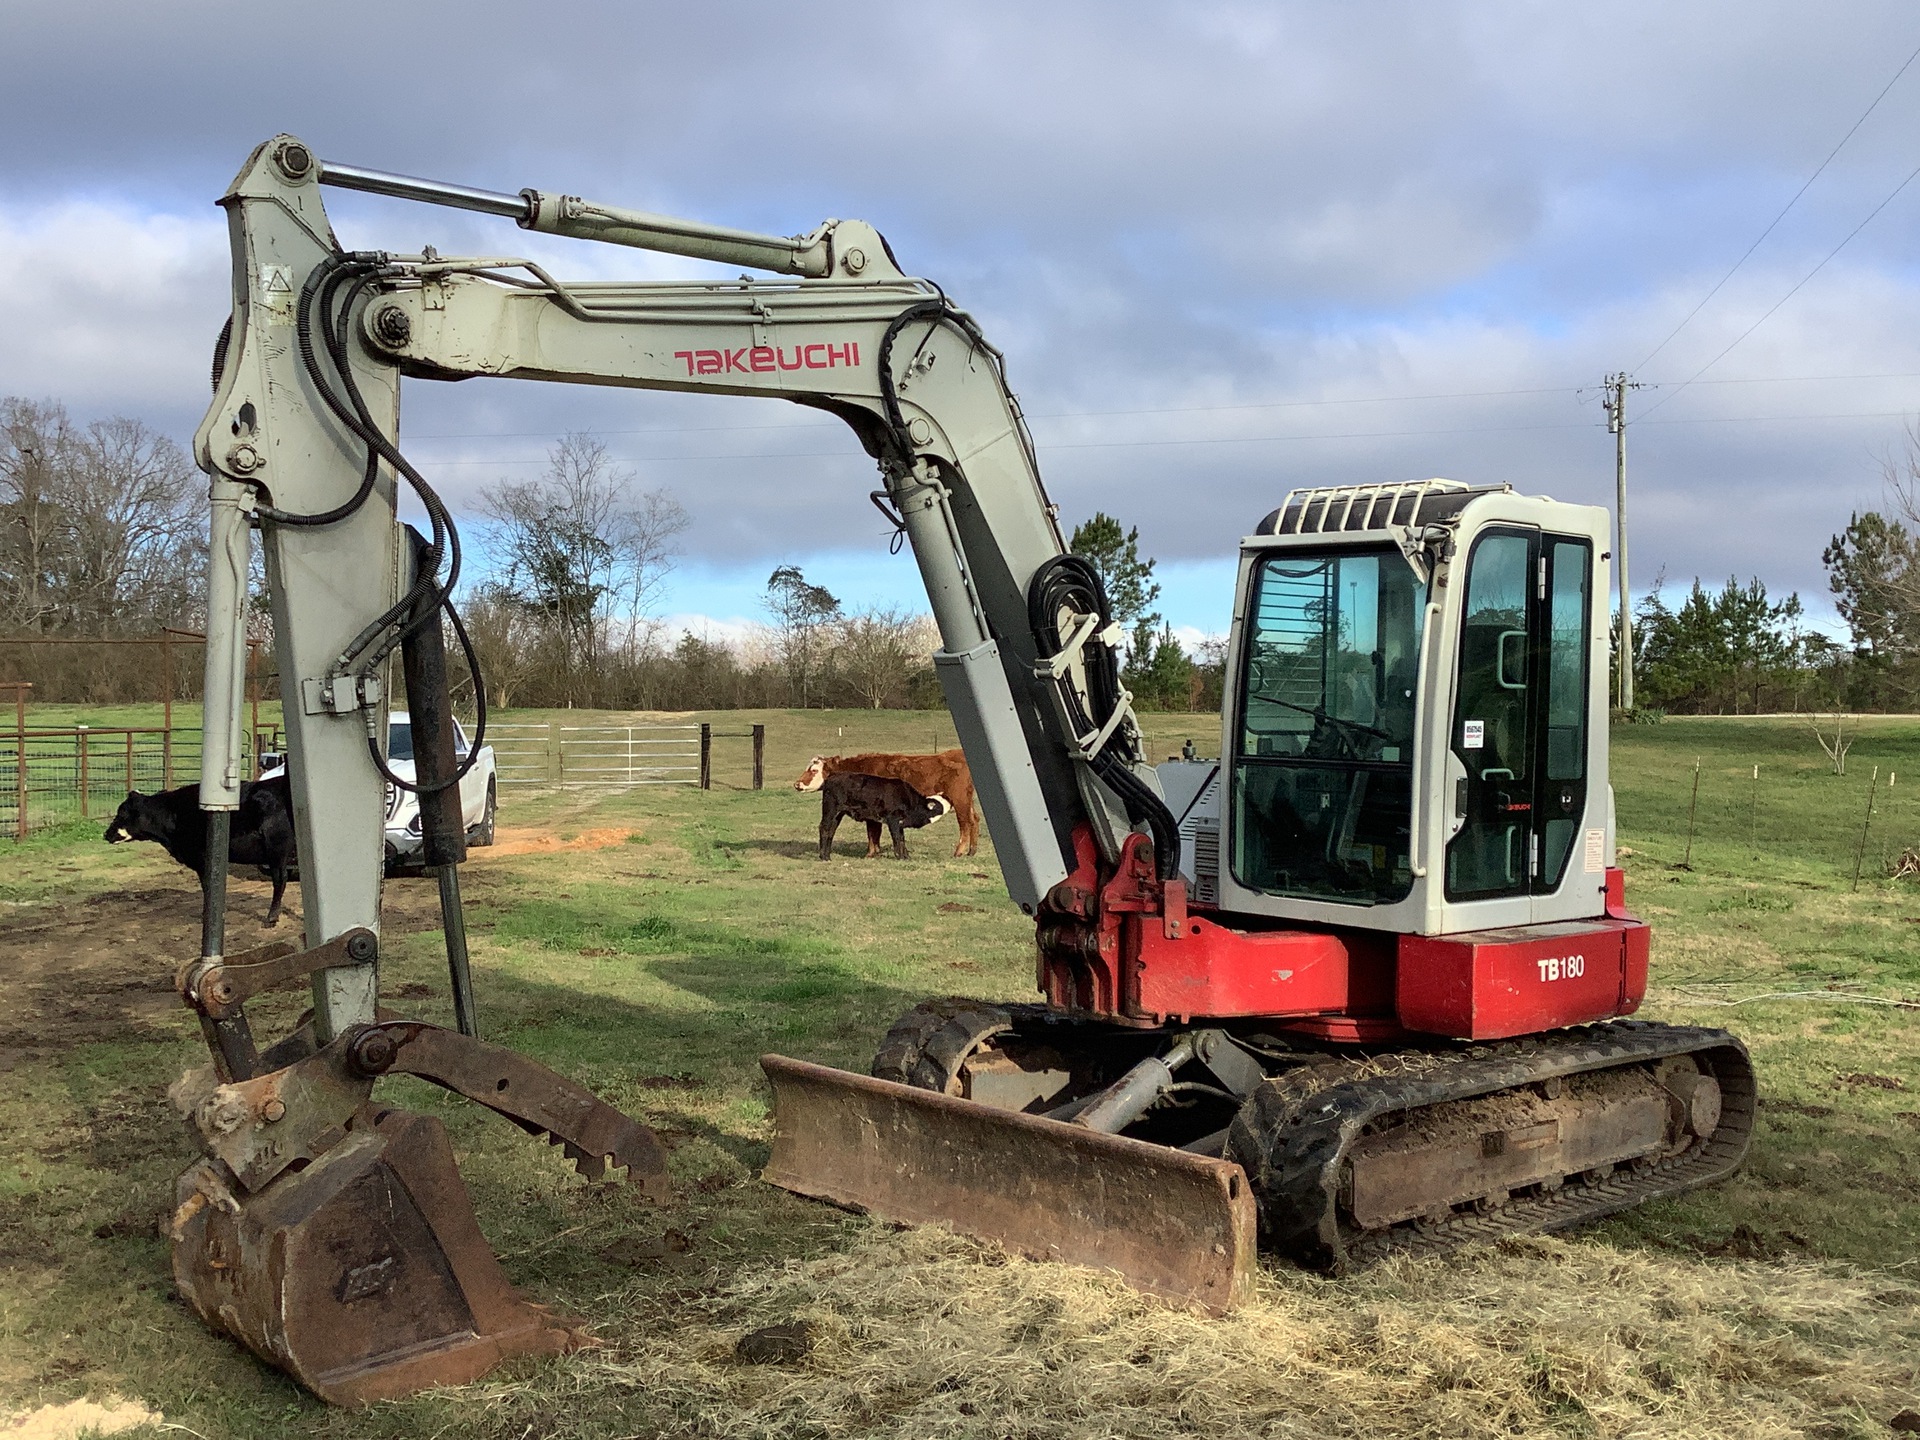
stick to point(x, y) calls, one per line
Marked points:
point(619, 757)
point(55, 777)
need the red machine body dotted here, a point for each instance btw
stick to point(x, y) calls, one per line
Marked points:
point(1131, 951)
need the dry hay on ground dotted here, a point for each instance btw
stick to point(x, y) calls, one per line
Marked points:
point(923, 1334)
point(79, 1418)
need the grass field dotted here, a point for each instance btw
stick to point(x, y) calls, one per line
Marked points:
point(653, 944)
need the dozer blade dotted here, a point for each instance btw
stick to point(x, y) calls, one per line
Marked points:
point(363, 1274)
point(1173, 1223)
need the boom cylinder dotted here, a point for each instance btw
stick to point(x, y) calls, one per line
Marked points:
point(555, 214)
point(230, 550)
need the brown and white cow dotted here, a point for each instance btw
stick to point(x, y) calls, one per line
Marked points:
point(943, 774)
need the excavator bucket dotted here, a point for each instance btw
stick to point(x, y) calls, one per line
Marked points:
point(1175, 1224)
point(364, 1274)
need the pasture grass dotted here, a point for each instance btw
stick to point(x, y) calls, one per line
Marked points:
point(687, 933)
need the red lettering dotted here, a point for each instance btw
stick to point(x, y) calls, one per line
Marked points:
point(763, 359)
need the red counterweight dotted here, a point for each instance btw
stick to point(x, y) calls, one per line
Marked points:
point(1129, 951)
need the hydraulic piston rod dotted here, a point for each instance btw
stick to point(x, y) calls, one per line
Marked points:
point(557, 214)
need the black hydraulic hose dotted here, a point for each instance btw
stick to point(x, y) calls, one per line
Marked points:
point(1070, 582)
point(934, 310)
point(1064, 581)
point(319, 306)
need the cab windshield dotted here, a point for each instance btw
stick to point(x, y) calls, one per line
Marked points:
point(1322, 774)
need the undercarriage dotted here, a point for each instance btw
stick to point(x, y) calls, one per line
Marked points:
point(1349, 1153)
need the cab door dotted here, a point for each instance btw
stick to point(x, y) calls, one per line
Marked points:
point(1518, 740)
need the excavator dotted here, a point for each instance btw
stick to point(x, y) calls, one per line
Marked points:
point(1360, 987)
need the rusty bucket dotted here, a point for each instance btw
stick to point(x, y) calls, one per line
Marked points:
point(363, 1274)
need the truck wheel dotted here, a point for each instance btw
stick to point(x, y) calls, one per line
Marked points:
point(483, 832)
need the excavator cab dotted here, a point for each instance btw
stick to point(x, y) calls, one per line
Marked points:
point(1416, 705)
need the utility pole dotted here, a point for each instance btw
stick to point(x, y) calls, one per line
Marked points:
point(1617, 386)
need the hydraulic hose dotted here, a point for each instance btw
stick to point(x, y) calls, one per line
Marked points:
point(321, 323)
point(1071, 583)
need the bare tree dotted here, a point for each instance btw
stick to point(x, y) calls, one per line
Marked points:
point(579, 549)
point(101, 528)
point(804, 616)
point(878, 650)
point(1902, 475)
point(1836, 748)
point(506, 641)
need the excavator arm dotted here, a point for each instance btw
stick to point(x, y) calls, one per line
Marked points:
point(329, 1233)
point(1027, 659)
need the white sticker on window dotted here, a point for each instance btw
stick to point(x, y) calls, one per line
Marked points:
point(1596, 851)
point(1473, 734)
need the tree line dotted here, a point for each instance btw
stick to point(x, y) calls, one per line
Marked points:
point(1739, 650)
point(102, 533)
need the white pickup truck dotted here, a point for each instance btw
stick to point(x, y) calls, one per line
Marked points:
point(479, 792)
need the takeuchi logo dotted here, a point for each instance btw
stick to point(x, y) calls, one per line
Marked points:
point(766, 359)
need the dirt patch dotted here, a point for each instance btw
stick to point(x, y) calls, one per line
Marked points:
point(100, 969)
point(531, 840)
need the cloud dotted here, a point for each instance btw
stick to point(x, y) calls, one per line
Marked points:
point(1159, 212)
point(110, 309)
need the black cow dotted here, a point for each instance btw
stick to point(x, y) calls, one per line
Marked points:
point(262, 831)
point(878, 801)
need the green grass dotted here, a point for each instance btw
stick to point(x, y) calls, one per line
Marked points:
point(657, 968)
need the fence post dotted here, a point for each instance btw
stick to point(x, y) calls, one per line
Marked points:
point(166, 711)
point(706, 756)
point(253, 701)
point(129, 757)
point(80, 748)
point(20, 761)
point(759, 753)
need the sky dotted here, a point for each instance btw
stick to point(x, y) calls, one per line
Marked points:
point(1228, 249)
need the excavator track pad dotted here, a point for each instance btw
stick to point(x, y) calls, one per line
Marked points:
point(1423, 1150)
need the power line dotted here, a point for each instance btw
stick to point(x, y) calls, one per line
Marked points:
point(1774, 223)
point(1786, 297)
point(1168, 410)
point(1226, 439)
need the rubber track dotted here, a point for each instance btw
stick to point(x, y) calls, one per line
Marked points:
point(927, 1046)
point(1293, 1135)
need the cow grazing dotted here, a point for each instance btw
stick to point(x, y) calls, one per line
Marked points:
point(944, 774)
point(262, 832)
point(878, 801)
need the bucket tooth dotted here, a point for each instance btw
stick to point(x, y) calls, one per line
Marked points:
point(1175, 1224)
point(364, 1274)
